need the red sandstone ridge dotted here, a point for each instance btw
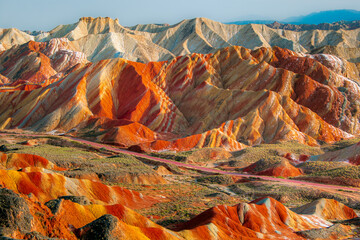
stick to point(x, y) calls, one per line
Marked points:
point(264, 218)
point(47, 185)
point(232, 98)
point(275, 168)
point(20, 160)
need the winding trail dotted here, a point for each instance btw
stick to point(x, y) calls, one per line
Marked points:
point(194, 167)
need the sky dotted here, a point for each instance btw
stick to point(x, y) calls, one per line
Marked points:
point(47, 14)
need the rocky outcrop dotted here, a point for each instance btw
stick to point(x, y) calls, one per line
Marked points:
point(208, 156)
point(12, 36)
point(33, 65)
point(103, 228)
point(336, 231)
point(23, 217)
point(14, 213)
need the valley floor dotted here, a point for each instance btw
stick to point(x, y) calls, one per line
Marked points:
point(167, 189)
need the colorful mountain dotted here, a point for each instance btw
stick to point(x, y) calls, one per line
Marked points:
point(170, 105)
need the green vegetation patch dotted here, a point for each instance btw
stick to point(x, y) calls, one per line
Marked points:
point(317, 167)
point(267, 163)
point(271, 151)
point(123, 163)
point(340, 144)
point(86, 161)
point(56, 154)
point(216, 179)
point(352, 172)
point(176, 156)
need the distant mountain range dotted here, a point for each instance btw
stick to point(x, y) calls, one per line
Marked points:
point(346, 25)
point(313, 18)
point(105, 38)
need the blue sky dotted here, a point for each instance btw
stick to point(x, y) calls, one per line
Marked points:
point(47, 14)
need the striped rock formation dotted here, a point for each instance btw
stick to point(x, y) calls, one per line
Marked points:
point(34, 64)
point(17, 161)
point(129, 223)
point(263, 218)
point(233, 98)
point(47, 185)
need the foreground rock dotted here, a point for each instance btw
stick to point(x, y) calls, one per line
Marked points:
point(21, 160)
point(14, 213)
point(264, 218)
point(24, 218)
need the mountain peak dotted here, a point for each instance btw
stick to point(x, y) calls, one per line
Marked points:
point(91, 19)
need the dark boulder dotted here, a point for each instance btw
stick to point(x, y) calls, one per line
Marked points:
point(54, 204)
point(3, 148)
point(102, 228)
point(14, 213)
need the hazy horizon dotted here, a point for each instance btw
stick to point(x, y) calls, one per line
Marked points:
point(45, 15)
